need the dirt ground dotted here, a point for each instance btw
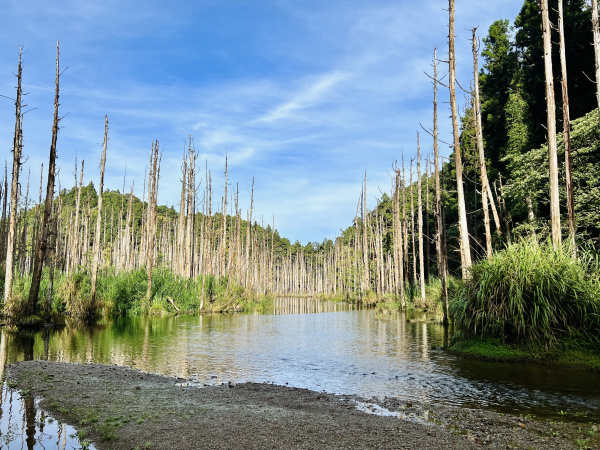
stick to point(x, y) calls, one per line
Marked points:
point(122, 408)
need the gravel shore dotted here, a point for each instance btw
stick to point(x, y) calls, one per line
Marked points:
point(122, 408)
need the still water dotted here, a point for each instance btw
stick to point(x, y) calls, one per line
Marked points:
point(327, 346)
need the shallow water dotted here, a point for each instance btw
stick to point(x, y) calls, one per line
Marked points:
point(25, 426)
point(327, 346)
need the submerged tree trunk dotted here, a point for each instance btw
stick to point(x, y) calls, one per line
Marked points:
point(551, 110)
point(465, 250)
point(97, 250)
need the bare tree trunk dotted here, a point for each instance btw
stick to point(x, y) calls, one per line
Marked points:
point(367, 272)
point(42, 244)
point(412, 225)
point(596, 31)
point(97, 251)
point(420, 220)
point(4, 225)
point(23, 244)
point(427, 215)
point(76, 243)
point(398, 245)
point(567, 127)
point(439, 247)
point(14, 198)
point(482, 166)
point(465, 250)
point(551, 109)
point(152, 217)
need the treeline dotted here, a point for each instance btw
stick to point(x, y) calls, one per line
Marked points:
point(525, 168)
point(504, 180)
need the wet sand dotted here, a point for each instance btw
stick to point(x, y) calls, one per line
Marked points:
point(122, 408)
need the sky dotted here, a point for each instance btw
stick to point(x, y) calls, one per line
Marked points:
point(304, 96)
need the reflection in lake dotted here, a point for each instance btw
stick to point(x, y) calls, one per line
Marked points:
point(349, 351)
point(22, 424)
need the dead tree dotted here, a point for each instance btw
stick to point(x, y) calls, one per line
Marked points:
point(551, 110)
point(420, 220)
point(439, 224)
point(97, 249)
point(152, 216)
point(14, 197)
point(596, 31)
point(465, 249)
point(566, 126)
point(485, 188)
point(42, 243)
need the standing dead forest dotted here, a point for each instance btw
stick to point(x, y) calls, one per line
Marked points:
point(499, 238)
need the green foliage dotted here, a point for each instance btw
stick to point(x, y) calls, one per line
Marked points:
point(531, 293)
point(500, 64)
point(124, 293)
point(530, 174)
point(580, 61)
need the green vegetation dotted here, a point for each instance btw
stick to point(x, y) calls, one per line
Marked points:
point(531, 302)
point(124, 293)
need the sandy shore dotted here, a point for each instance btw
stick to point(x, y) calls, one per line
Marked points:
point(122, 408)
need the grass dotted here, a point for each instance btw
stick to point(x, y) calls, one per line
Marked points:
point(530, 293)
point(124, 293)
point(530, 303)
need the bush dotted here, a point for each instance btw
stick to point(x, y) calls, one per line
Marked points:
point(530, 293)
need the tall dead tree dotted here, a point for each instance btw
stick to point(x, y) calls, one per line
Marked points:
point(3, 225)
point(439, 224)
point(465, 249)
point(596, 31)
point(97, 249)
point(420, 220)
point(42, 243)
point(152, 216)
point(551, 114)
point(485, 188)
point(566, 125)
point(398, 244)
point(14, 192)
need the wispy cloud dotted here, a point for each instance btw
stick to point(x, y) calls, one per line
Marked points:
point(309, 96)
point(304, 96)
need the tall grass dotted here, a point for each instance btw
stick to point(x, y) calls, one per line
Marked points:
point(532, 293)
point(124, 293)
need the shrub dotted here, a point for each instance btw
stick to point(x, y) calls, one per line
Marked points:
point(529, 292)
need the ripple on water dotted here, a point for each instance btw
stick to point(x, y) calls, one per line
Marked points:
point(316, 345)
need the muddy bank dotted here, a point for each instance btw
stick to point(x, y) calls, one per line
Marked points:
point(121, 408)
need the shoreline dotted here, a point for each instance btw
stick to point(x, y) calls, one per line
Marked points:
point(123, 408)
point(491, 350)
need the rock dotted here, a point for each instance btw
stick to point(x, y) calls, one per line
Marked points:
point(137, 388)
point(408, 403)
point(522, 425)
point(594, 428)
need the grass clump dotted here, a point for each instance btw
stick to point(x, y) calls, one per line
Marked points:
point(530, 293)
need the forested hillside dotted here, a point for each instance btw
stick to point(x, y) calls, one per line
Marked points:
point(524, 167)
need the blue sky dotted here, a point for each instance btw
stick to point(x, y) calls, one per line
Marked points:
point(303, 95)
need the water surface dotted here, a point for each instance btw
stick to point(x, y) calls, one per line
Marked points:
point(327, 346)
